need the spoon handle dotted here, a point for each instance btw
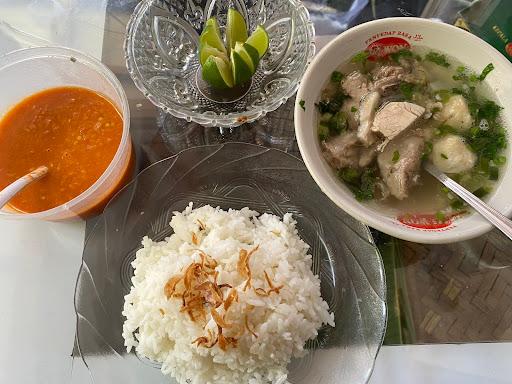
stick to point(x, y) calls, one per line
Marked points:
point(489, 213)
point(11, 190)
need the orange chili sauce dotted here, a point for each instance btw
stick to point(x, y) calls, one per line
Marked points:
point(74, 131)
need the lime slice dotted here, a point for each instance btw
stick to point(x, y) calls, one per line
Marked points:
point(255, 56)
point(239, 48)
point(213, 22)
point(241, 71)
point(211, 37)
point(217, 73)
point(205, 51)
point(236, 29)
point(259, 40)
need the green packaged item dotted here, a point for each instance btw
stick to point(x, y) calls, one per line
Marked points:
point(491, 20)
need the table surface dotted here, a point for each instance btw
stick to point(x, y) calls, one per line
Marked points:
point(455, 293)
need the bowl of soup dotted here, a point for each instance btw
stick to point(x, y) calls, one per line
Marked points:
point(387, 96)
point(65, 110)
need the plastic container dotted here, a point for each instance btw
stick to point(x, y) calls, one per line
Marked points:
point(27, 71)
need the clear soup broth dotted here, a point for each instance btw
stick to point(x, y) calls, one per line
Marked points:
point(381, 118)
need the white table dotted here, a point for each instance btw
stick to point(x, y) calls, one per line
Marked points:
point(39, 261)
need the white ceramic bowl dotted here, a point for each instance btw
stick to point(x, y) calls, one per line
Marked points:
point(470, 50)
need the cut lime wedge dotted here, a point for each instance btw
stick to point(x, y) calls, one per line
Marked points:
point(217, 73)
point(255, 56)
point(241, 71)
point(236, 29)
point(211, 37)
point(205, 51)
point(239, 48)
point(213, 22)
point(259, 40)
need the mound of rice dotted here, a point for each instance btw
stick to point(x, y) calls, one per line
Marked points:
point(280, 322)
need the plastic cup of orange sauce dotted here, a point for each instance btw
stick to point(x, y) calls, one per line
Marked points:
point(66, 110)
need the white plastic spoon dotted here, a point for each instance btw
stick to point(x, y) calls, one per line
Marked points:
point(11, 190)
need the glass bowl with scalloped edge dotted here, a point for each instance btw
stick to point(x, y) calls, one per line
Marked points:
point(161, 57)
point(233, 175)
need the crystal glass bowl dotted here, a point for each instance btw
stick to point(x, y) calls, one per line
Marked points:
point(161, 56)
point(233, 175)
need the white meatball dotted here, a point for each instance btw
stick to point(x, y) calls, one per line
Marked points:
point(452, 155)
point(455, 113)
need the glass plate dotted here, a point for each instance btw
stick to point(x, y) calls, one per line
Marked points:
point(233, 175)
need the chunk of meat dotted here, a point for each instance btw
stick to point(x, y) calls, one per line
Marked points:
point(417, 74)
point(455, 113)
point(352, 115)
point(342, 151)
point(396, 117)
point(367, 107)
point(387, 76)
point(452, 155)
point(355, 85)
point(402, 174)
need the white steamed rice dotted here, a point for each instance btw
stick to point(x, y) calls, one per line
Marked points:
point(283, 322)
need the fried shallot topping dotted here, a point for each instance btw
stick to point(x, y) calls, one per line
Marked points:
point(201, 294)
point(243, 265)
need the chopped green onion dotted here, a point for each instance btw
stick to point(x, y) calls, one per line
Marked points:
point(481, 192)
point(444, 156)
point(338, 123)
point(396, 156)
point(302, 104)
point(407, 90)
point(437, 58)
point(494, 173)
point(360, 57)
point(489, 67)
point(336, 76)
point(440, 216)
point(457, 204)
point(500, 160)
point(396, 56)
point(353, 109)
point(323, 132)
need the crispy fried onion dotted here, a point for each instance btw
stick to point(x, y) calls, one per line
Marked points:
point(243, 266)
point(272, 288)
point(201, 294)
point(202, 226)
point(251, 331)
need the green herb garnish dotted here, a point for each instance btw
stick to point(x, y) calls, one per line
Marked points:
point(360, 58)
point(302, 104)
point(444, 129)
point(396, 156)
point(332, 104)
point(444, 156)
point(353, 109)
point(494, 173)
point(427, 150)
point(323, 132)
point(481, 192)
point(457, 204)
point(488, 68)
point(362, 184)
point(402, 53)
point(437, 58)
point(440, 216)
point(349, 175)
point(407, 90)
point(337, 76)
point(337, 123)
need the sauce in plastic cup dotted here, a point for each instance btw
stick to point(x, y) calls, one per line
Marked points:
point(28, 71)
